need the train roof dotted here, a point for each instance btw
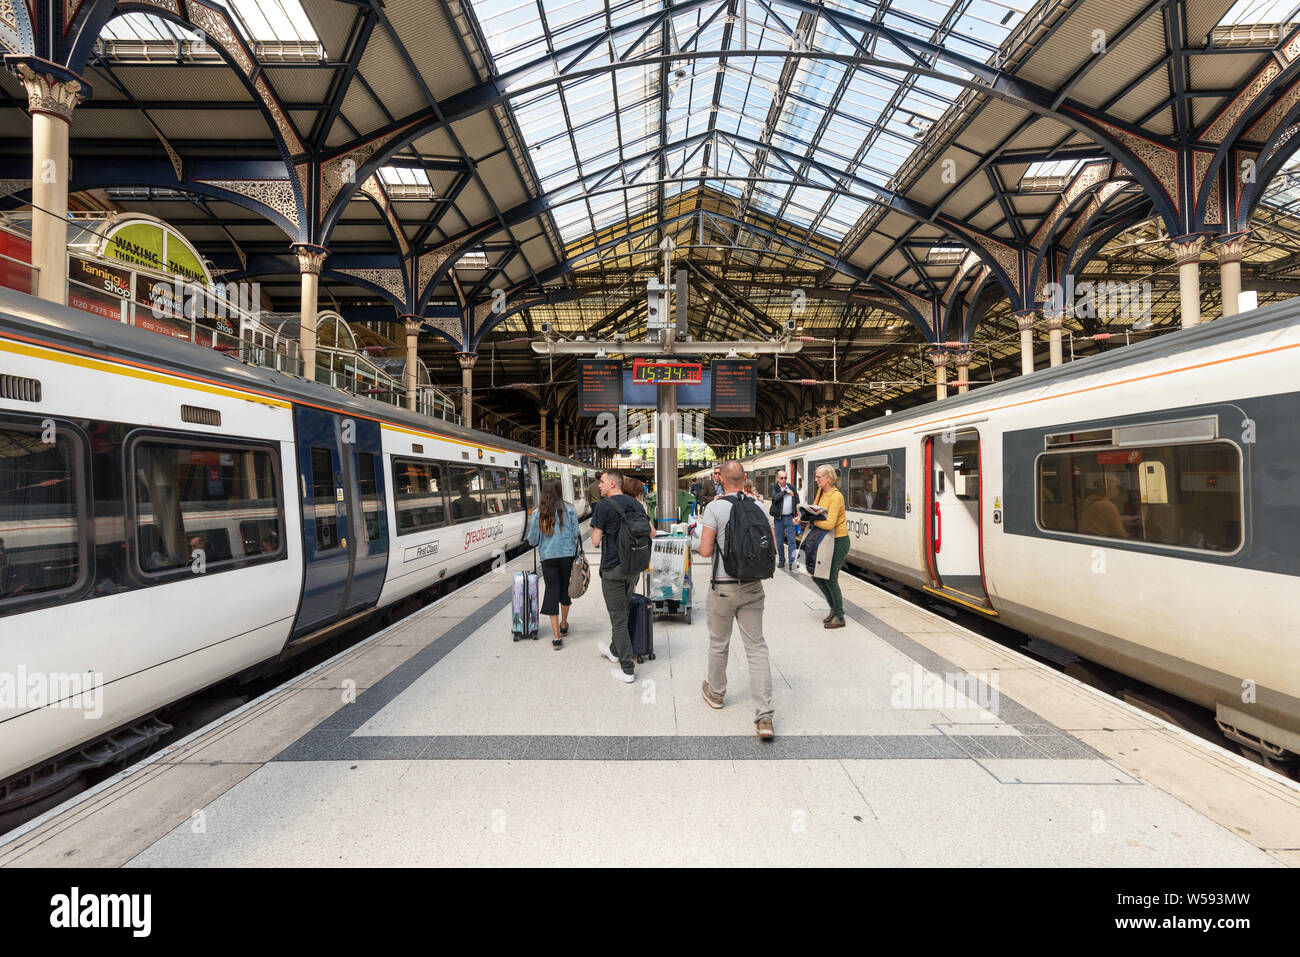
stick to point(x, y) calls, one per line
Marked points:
point(1273, 317)
point(58, 324)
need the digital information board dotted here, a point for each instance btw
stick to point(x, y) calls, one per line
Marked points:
point(669, 373)
point(735, 388)
point(600, 386)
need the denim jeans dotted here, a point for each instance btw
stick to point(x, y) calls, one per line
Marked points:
point(785, 533)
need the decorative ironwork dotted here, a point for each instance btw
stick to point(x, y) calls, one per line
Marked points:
point(217, 27)
point(1161, 161)
point(310, 258)
point(449, 326)
point(276, 194)
point(1088, 177)
point(390, 280)
point(287, 132)
point(49, 94)
point(1223, 123)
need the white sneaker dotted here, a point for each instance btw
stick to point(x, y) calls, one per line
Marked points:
point(619, 674)
point(608, 652)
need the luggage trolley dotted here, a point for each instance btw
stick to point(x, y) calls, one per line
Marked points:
point(668, 581)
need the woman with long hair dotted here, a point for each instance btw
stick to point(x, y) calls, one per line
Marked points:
point(836, 520)
point(553, 528)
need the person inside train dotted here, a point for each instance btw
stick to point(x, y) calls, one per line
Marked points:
point(836, 521)
point(270, 543)
point(1101, 515)
point(553, 529)
point(465, 505)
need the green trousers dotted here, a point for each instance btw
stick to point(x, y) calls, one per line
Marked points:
point(830, 587)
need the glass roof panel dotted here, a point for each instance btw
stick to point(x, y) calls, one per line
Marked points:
point(775, 133)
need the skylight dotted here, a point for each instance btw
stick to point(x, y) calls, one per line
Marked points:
point(803, 141)
point(1049, 176)
point(403, 182)
point(1254, 23)
point(277, 29)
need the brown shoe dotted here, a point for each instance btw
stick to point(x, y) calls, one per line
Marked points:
point(834, 623)
point(765, 732)
point(828, 618)
point(711, 699)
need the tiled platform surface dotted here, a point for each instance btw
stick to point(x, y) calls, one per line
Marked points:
point(442, 742)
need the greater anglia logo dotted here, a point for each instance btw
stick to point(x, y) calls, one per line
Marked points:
point(858, 527)
point(484, 534)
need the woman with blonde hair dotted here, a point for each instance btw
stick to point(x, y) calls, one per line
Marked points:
point(836, 520)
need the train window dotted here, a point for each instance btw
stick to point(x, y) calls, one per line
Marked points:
point(205, 506)
point(496, 494)
point(515, 479)
point(1188, 496)
point(466, 484)
point(372, 513)
point(966, 467)
point(41, 546)
point(869, 488)
point(578, 490)
point(325, 508)
point(418, 489)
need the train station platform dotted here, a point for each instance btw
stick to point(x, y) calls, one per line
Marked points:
point(902, 739)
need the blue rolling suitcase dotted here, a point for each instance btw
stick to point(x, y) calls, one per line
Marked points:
point(641, 627)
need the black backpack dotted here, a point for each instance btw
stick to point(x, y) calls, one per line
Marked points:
point(634, 540)
point(749, 553)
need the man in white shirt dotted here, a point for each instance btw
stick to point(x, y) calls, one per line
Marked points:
point(785, 518)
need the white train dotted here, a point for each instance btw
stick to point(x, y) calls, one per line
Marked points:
point(1139, 508)
point(171, 518)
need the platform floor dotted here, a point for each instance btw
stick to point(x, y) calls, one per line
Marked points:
point(442, 742)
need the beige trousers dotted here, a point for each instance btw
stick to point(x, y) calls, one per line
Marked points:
point(743, 604)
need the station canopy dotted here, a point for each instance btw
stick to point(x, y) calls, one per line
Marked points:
point(837, 163)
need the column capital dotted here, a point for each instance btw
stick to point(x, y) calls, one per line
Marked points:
point(962, 358)
point(51, 89)
point(1055, 323)
point(940, 358)
point(467, 359)
point(310, 257)
point(1025, 319)
point(1230, 247)
point(1187, 249)
point(413, 324)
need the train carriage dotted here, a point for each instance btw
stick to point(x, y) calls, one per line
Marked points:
point(171, 517)
point(1136, 508)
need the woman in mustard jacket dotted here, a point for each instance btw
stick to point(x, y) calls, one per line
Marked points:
point(836, 520)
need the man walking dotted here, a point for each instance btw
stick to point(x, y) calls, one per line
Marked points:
point(734, 601)
point(785, 514)
point(616, 584)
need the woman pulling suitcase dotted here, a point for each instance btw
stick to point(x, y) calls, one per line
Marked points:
point(553, 527)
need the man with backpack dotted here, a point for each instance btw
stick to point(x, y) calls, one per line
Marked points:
point(738, 536)
point(620, 528)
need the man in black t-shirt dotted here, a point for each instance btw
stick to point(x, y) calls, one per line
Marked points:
point(615, 584)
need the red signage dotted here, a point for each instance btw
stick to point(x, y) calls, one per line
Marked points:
point(1119, 458)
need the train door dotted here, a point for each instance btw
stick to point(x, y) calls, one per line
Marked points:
point(344, 524)
point(954, 546)
point(796, 476)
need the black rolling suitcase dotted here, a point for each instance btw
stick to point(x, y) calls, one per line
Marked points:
point(641, 627)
